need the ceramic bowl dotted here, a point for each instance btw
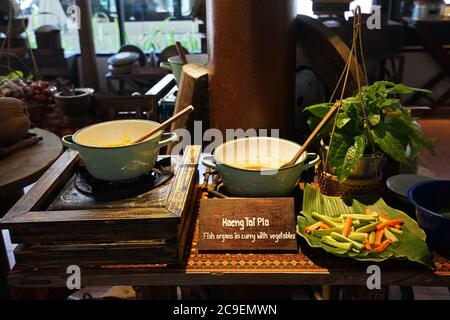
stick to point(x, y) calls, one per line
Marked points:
point(432, 202)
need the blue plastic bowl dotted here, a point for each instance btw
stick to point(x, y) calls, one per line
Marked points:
point(432, 200)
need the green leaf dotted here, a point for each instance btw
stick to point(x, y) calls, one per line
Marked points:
point(390, 145)
point(374, 119)
point(412, 245)
point(394, 104)
point(319, 110)
point(338, 152)
point(421, 90)
point(400, 88)
point(342, 120)
point(350, 102)
point(345, 151)
point(354, 153)
point(405, 127)
point(384, 83)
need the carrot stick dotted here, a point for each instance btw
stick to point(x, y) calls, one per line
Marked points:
point(366, 244)
point(383, 246)
point(397, 226)
point(383, 216)
point(347, 226)
point(389, 223)
point(313, 227)
point(324, 226)
point(379, 237)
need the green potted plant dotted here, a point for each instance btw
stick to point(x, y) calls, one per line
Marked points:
point(369, 125)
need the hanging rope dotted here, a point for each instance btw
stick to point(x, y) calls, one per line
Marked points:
point(353, 57)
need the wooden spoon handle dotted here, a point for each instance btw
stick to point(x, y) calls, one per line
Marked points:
point(311, 137)
point(181, 52)
point(166, 123)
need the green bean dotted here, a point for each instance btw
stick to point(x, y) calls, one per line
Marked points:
point(390, 236)
point(324, 219)
point(372, 236)
point(395, 230)
point(368, 228)
point(340, 237)
point(331, 242)
point(326, 232)
point(359, 237)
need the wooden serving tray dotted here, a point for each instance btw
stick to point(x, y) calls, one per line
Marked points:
point(153, 232)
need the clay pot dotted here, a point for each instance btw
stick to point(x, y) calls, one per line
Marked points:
point(14, 121)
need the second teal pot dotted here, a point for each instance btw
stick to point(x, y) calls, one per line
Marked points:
point(248, 166)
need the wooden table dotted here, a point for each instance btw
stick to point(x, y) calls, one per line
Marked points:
point(17, 171)
point(25, 166)
point(136, 81)
point(307, 267)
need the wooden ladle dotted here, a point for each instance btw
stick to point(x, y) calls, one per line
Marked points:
point(311, 137)
point(166, 123)
point(181, 52)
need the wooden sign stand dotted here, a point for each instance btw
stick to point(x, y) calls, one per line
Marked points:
point(247, 224)
point(193, 90)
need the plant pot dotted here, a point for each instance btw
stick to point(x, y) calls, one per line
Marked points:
point(368, 167)
point(77, 106)
point(330, 185)
point(366, 177)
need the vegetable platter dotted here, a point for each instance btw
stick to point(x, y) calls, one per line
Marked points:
point(363, 228)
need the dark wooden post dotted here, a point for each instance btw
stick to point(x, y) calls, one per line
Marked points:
point(87, 46)
point(4, 270)
point(251, 47)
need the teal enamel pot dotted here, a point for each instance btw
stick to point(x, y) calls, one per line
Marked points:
point(107, 153)
point(249, 167)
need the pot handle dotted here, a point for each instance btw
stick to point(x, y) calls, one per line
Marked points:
point(208, 161)
point(313, 162)
point(168, 138)
point(165, 65)
point(67, 142)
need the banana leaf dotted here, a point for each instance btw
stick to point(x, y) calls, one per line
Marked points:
point(412, 245)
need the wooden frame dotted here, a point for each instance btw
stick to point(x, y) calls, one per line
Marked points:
point(158, 91)
point(85, 236)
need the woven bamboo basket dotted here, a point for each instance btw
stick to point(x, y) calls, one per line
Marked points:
point(329, 185)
